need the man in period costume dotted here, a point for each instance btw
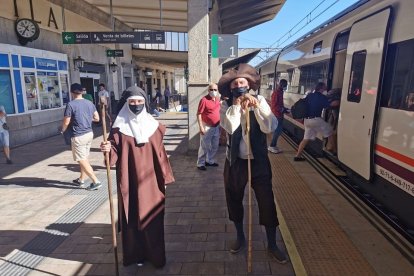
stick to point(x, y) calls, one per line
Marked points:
point(135, 146)
point(235, 85)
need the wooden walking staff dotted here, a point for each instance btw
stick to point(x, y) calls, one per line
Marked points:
point(249, 185)
point(108, 175)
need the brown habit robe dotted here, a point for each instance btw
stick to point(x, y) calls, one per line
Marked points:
point(142, 171)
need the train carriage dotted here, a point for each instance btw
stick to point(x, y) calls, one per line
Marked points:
point(367, 53)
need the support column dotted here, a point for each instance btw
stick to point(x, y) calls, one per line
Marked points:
point(197, 65)
point(214, 28)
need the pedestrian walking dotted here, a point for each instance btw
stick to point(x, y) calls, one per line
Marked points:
point(135, 146)
point(167, 95)
point(235, 85)
point(104, 100)
point(78, 117)
point(4, 135)
point(208, 118)
point(278, 109)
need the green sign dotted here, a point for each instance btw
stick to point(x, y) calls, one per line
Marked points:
point(68, 38)
point(114, 53)
point(224, 46)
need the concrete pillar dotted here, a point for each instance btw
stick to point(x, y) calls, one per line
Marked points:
point(214, 28)
point(197, 64)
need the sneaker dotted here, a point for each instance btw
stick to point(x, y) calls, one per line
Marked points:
point(275, 150)
point(237, 246)
point(9, 161)
point(84, 186)
point(202, 168)
point(211, 164)
point(78, 181)
point(298, 159)
point(94, 186)
point(278, 255)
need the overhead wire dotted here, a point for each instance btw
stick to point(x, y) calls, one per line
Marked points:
point(309, 20)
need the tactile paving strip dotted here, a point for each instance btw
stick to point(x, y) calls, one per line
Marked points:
point(24, 260)
point(323, 247)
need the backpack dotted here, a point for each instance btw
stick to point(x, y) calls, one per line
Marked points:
point(300, 109)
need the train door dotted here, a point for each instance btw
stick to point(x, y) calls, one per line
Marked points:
point(359, 97)
point(335, 82)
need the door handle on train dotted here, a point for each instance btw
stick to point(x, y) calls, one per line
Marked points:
point(369, 132)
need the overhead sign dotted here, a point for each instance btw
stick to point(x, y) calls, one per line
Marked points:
point(114, 53)
point(113, 37)
point(224, 46)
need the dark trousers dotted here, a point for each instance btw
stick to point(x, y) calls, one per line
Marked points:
point(235, 180)
point(166, 102)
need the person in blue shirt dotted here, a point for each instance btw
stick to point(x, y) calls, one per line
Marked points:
point(314, 124)
point(78, 117)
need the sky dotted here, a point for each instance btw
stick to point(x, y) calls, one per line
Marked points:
point(294, 17)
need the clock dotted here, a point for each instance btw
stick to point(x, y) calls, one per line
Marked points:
point(27, 30)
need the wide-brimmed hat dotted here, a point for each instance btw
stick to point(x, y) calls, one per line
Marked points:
point(243, 70)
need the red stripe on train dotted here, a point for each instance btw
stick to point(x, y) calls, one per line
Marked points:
point(400, 157)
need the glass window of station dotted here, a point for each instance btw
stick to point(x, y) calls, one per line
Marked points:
point(31, 83)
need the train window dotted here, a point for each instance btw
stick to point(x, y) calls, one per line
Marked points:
point(311, 74)
point(357, 76)
point(317, 48)
point(293, 80)
point(341, 41)
point(398, 87)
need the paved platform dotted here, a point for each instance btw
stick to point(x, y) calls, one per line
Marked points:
point(50, 227)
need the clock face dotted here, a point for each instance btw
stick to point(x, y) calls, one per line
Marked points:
point(27, 29)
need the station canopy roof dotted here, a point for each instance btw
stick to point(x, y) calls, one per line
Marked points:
point(235, 16)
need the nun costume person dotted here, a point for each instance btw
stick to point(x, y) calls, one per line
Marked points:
point(135, 146)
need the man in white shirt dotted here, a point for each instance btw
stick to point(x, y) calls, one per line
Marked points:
point(235, 85)
point(103, 96)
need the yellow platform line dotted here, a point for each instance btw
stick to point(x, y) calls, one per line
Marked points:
point(291, 248)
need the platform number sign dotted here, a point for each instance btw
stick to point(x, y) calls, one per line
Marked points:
point(224, 46)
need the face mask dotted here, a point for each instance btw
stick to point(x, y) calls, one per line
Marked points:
point(136, 109)
point(239, 91)
point(213, 94)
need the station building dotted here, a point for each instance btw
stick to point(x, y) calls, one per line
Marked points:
point(36, 68)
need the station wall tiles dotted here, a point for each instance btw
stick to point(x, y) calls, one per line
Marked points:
point(28, 62)
point(4, 60)
point(15, 61)
point(19, 92)
point(63, 65)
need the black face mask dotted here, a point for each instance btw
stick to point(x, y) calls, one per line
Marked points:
point(136, 109)
point(239, 91)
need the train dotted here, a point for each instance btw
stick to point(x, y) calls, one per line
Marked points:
point(365, 54)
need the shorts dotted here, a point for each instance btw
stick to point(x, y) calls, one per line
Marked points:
point(4, 139)
point(81, 146)
point(314, 126)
